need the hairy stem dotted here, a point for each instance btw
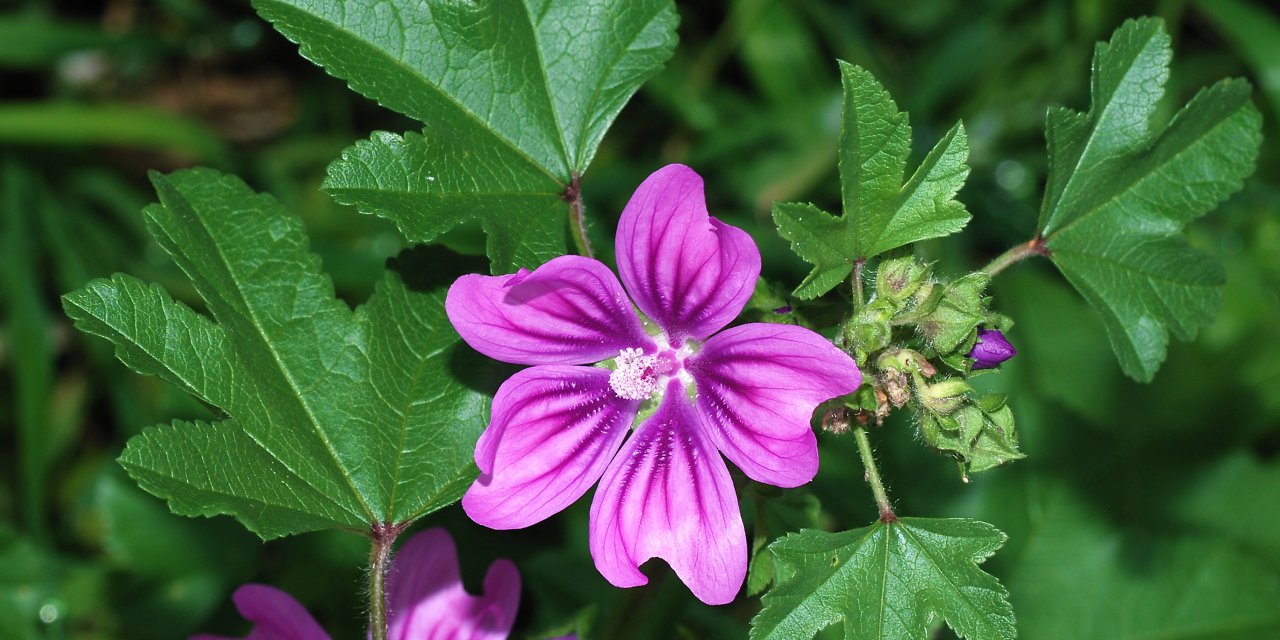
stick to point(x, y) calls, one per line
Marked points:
point(577, 217)
point(858, 300)
point(1032, 247)
point(873, 476)
point(384, 535)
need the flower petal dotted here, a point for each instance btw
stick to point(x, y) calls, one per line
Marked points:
point(758, 385)
point(570, 310)
point(668, 495)
point(688, 271)
point(426, 600)
point(276, 616)
point(553, 432)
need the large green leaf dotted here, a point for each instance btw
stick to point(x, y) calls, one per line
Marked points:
point(880, 211)
point(334, 418)
point(887, 580)
point(515, 95)
point(1120, 189)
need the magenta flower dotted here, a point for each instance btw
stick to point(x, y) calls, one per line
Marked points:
point(991, 349)
point(425, 600)
point(747, 392)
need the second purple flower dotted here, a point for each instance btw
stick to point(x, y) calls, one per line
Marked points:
point(558, 427)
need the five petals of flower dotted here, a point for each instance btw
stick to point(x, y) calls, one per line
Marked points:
point(425, 599)
point(557, 427)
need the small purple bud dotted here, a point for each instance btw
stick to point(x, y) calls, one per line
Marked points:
point(991, 349)
point(783, 310)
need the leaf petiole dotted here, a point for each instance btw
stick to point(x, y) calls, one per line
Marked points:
point(1033, 247)
point(577, 217)
point(384, 536)
point(858, 299)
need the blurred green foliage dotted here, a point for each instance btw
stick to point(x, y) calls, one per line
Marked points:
point(1141, 511)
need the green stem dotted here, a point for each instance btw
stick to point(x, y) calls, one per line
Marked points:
point(384, 535)
point(1033, 247)
point(858, 299)
point(577, 217)
point(873, 476)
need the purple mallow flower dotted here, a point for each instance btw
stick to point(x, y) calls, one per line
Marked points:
point(425, 599)
point(747, 392)
point(991, 349)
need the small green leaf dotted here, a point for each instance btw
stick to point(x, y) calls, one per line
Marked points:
point(887, 580)
point(880, 211)
point(515, 97)
point(819, 238)
point(335, 418)
point(1120, 189)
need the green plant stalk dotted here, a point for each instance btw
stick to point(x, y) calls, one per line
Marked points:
point(384, 536)
point(1032, 247)
point(578, 217)
point(858, 299)
point(873, 476)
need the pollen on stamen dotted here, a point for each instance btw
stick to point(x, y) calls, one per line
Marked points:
point(635, 377)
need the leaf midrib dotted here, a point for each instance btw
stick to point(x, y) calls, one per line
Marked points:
point(1130, 185)
point(938, 569)
point(546, 87)
point(436, 90)
point(404, 424)
point(595, 95)
point(1075, 170)
point(122, 336)
point(255, 322)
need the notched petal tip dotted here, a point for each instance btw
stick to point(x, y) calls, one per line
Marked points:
point(668, 495)
point(688, 271)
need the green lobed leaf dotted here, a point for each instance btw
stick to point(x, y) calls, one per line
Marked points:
point(1120, 189)
point(887, 580)
point(515, 96)
point(335, 418)
point(881, 212)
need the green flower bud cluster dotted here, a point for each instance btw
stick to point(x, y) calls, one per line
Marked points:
point(913, 326)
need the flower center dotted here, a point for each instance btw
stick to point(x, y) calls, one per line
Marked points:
point(636, 375)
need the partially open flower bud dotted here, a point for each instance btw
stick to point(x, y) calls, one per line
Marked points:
point(991, 349)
